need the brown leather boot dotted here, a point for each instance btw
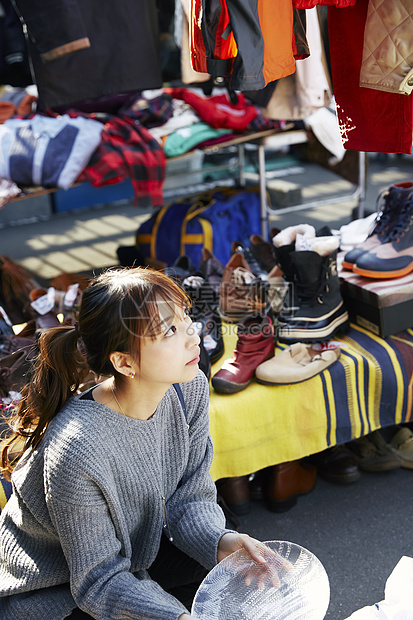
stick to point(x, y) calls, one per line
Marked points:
point(288, 481)
point(235, 493)
point(241, 293)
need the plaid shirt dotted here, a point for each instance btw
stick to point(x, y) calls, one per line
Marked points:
point(128, 150)
point(149, 112)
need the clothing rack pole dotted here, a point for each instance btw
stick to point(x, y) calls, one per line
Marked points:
point(263, 192)
point(241, 165)
point(361, 185)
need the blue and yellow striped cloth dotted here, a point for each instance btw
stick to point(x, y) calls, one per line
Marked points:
point(5, 492)
point(369, 387)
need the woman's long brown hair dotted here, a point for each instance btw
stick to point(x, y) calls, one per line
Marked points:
point(57, 372)
point(118, 310)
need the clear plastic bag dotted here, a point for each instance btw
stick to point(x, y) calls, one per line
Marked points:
point(398, 597)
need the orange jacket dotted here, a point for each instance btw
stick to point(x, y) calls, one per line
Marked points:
point(250, 42)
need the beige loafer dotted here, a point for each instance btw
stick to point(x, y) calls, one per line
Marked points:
point(297, 363)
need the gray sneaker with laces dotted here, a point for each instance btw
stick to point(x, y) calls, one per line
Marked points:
point(373, 453)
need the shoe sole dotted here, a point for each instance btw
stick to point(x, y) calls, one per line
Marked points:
point(282, 505)
point(226, 387)
point(232, 318)
point(310, 336)
point(340, 478)
point(217, 356)
point(292, 382)
point(380, 467)
point(349, 266)
point(383, 275)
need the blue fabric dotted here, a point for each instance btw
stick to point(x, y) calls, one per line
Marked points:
point(21, 156)
point(55, 158)
point(181, 399)
point(5, 492)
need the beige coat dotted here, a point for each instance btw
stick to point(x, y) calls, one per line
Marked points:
point(388, 46)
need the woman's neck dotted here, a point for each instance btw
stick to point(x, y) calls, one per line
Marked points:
point(131, 398)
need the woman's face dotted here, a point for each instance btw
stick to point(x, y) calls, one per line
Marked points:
point(173, 356)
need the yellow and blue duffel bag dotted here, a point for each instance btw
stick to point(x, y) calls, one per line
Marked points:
point(160, 236)
point(212, 221)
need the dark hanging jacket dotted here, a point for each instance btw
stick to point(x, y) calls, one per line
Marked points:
point(248, 41)
point(86, 49)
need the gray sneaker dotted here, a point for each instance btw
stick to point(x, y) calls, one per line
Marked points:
point(373, 453)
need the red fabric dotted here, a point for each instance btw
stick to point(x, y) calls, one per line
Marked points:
point(217, 110)
point(225, 46)
point(220, 46)
point(7, 111)
point(214, 36)
point(214, 141)
point(128, 150)
point(197, 47)
point(309, 4)
point(370, 120)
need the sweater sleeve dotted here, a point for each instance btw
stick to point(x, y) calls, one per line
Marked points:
point(196, 521)
point(100, 578)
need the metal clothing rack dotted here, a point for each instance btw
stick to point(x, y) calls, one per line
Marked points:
point(288, 138)
point(278, 139)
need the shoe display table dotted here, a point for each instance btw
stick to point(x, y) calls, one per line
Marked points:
point(369, 387)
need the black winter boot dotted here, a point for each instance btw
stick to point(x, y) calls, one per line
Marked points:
point(284, 246)
point(321, 311)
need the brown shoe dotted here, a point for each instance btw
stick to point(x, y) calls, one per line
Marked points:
point(337, 465)
point(402, 445)
point(263, 252)
point(66, 279)
point(241, 292)
point(288, 481)
point(235, 493)
point(258, 483)
point(373, 453)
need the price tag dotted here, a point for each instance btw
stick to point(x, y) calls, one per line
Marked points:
point(71, 295)
point(44, 304)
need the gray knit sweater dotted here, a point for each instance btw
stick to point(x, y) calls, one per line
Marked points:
point(85, 519)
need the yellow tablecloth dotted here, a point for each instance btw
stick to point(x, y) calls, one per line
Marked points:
point(370, 386)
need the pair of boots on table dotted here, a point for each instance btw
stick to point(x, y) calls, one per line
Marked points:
point(302, 289)
point(281, 485)
point(298, 302)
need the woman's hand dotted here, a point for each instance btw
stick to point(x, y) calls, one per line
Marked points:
point(257, 561)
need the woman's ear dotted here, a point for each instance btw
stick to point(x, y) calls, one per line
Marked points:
point(122, 363)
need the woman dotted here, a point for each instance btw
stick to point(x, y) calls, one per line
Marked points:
point(102, 474)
